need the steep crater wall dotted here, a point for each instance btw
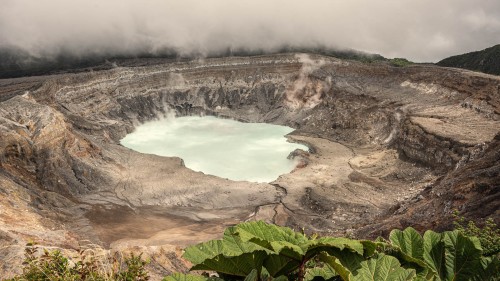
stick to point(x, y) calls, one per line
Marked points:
point(414, 110)
point(399, 128)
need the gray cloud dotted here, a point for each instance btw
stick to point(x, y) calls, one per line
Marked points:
point(421, 30)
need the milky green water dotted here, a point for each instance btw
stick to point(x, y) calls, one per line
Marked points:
point(225, 148)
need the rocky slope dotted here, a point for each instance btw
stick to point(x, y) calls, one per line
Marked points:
point(389, 146)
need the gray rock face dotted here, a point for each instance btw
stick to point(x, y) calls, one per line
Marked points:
point(378, 135)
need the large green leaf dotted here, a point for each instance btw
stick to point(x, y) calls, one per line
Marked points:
point(278, 265)
point(189, 277)
point(266, 276)
point(318, 245)
point(336, 265)
point(490, 269)
point(240, 265)
point(463, 256)
point(326, 272)
point(434, 254)
point(382, 268)
point(281, 240)
point(348, 259)
point(252, 276)
point(409, 249)
point(269, 232)
point(230, 246)
point(454, 256)
point(287, 249)
point(370, 247)
point(409, 241)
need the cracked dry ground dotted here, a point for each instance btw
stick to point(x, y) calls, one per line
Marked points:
point(389, 147)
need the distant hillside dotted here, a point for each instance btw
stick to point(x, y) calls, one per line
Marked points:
point(487, 60)
point(17, 63)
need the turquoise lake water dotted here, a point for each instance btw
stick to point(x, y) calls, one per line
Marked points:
point(222, 147)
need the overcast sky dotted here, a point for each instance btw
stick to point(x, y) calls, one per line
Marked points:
point(420, 30)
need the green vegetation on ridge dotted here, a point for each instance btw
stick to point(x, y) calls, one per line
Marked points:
point(487, 60)
point(400, 62)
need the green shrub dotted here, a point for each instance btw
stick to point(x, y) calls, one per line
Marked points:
point(53, 266)
point(401, 62)
point(134, 270)
point(488, 235)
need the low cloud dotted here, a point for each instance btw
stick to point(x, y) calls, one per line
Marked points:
point(421, 30)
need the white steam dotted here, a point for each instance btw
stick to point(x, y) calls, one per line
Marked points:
point(307, 92)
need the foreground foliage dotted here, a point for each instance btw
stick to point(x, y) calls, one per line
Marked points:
point(255, 251)
point(53, 266)
point(258, 251)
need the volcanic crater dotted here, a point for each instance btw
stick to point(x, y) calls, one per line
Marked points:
point(389, 147)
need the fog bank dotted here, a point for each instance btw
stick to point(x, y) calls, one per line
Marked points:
point(421, 30)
